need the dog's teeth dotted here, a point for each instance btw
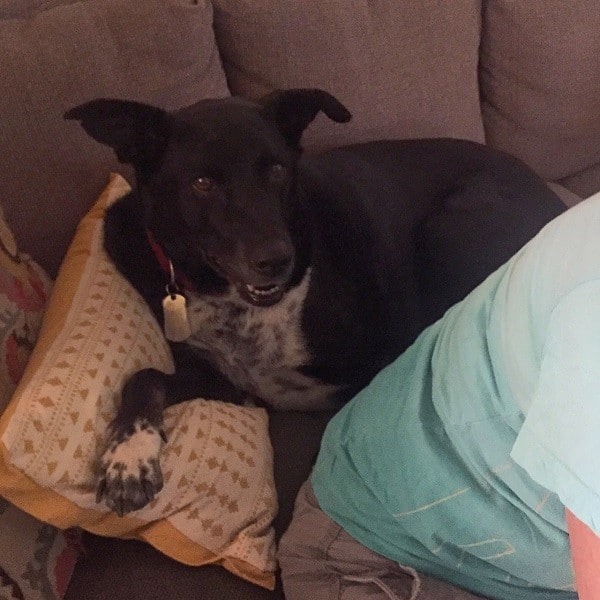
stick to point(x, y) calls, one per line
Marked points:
point(266, 291)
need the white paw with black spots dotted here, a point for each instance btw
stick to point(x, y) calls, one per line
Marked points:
point(130, 474)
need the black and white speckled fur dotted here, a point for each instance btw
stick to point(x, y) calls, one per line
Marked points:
point(132, 462)
point(260, 349)
point(307, 273)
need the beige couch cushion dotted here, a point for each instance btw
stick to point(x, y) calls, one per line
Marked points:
point(404, 69)
point(154, 51)
point(586, 182)
point(541, 85)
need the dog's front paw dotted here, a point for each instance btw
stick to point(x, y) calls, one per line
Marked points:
point(130, 474)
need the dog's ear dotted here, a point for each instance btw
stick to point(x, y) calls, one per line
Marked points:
point(136, 132)
point(293, 110)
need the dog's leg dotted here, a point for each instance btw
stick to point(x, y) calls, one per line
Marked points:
point(130, 473)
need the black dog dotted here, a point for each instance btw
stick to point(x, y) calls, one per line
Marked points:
point(303, 276)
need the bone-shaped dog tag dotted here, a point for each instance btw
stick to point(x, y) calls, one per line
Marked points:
point(177, 326)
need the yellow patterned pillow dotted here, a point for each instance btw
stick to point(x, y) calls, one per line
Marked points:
point(218, 499)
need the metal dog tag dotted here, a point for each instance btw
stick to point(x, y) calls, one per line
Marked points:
point(177, 326)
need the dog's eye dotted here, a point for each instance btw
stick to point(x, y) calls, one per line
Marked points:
point(277, 173)
point(202, 185)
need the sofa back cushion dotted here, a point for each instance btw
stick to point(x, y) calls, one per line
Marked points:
point(404, 69)
point(155, 51)
point(540, 77)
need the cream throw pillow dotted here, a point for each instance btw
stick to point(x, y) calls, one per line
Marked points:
point(218, 500)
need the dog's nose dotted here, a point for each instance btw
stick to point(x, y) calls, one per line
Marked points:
point(272, 261)
point(273, 266)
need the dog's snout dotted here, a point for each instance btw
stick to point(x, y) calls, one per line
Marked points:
point(274, 266)
point(272, 260)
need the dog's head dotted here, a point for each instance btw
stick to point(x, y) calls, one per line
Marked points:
point(217, 179)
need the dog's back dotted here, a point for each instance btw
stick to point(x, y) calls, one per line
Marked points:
point(405, 230)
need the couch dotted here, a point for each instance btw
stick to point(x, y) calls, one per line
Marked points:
point(519, 75)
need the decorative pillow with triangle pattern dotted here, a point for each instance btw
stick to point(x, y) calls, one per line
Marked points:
point(219, 499)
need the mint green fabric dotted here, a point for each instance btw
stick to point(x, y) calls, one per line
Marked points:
point(559, 443)
point(418, 466)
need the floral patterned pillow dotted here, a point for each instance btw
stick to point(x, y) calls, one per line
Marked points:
point(24, 289)
point(36, 559)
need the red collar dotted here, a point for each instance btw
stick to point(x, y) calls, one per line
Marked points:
point(175, 277)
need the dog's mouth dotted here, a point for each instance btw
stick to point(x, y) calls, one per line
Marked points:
point(256, 295)
point(264, 295)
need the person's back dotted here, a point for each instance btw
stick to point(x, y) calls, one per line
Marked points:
point(446, 460)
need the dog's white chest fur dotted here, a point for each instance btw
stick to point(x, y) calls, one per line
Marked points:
point(259, 349)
